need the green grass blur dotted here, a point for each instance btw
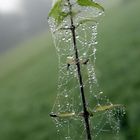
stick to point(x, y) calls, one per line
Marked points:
point(28, 78)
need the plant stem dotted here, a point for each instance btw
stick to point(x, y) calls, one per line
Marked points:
point(85, 112)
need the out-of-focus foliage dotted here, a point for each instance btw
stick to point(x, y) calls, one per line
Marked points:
point(118, 62)
point(28, 78)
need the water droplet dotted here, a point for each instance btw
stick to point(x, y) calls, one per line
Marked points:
point(68, 138)
point(67, 40)
point(100, 13)
point(66, 95)
point(100, 92)
point(63, 39)
point(95, 96)
point(94, 33)
point(66, 32)
point(77, 36)
point(94, 27)
point(66, 26)
point(85, 43)
point(84, 54)
point(95, 42)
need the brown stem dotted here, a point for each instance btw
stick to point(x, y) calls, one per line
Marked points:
point(86, 114)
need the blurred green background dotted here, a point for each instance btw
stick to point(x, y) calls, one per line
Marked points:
point(28, 75)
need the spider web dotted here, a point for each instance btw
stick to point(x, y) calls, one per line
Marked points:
point(67, 110)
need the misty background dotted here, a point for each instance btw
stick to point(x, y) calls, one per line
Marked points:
point(28, 19)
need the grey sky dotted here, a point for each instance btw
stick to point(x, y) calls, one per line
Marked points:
point(18, 26)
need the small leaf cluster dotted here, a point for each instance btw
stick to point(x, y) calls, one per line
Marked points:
point(59, 15)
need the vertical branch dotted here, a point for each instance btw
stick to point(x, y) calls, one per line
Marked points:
point(85, 112)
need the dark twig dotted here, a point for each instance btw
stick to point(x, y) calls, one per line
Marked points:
point(85, 111)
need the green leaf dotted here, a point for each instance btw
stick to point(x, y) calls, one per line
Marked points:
point(106, 107)
point(90, 3)
point(63, 115)
point(56, 8)
point(86, 20)
point(57, 13)
point(70, 60)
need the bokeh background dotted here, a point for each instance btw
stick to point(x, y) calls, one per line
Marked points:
point(28, 67)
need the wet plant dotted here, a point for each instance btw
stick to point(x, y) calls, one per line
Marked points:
point(80, 110)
